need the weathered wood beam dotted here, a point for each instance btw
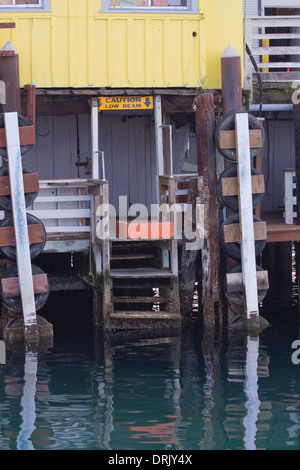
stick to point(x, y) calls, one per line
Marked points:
point(9, 74)
point(205, 129)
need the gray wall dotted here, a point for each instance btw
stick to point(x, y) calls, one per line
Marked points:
point(128, 144)
point(278, 153)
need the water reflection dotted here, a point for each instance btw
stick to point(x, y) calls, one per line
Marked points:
point(28, 412)
point(198, 390)
point(251, 392)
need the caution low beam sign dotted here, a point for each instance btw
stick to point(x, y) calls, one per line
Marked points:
point(126, 104)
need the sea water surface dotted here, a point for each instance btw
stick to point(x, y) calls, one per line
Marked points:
point(198, 390)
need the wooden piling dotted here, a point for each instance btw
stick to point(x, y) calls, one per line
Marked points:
point(9, 74)
point(297, 170)
point(188, 263)
point(205, 129)
point(231, 101)
point(231, 81)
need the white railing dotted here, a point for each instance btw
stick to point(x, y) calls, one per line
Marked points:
point(260, 42)
point(66, 209)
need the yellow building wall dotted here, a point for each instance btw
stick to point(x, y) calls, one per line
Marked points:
point(76, 45)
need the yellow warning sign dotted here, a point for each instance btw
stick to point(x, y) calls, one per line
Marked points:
point(125, 103)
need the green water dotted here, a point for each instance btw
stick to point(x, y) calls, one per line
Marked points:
point(188, 392)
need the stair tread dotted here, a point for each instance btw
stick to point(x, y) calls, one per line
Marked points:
point(130, 256)
point(138, 273)
point(146, 315)
point(130, 299)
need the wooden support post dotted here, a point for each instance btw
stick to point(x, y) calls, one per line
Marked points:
point(189, 261)
point(31, 103)
point(246, 214)
point(173, 215)
point(297, 156)
point(106, 257)
point(9, 73)
point(205, 129)
point(258, 166)
point(21, 229)
point(101, 251)
point(231, 81)
point(297, 169)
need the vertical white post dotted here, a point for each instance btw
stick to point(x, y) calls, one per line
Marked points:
point(20, 225)
point(95, 137)
point(246, 213)
point(160, 170)
point(289, 196)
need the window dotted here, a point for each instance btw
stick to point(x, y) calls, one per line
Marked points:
point(153, 5)
point(24, 5)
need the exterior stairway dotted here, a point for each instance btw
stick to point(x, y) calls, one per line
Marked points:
point(140, 289)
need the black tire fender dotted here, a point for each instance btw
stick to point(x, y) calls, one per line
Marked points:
point(227, 123)
point(233, 249)
point(14, 304)
point(10, 252)
point(232, 202)
point(23, 121)
point(237, 298)
point(5, 201)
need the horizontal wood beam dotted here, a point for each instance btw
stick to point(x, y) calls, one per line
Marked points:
point(234, 281)
point(230, 185)
point(232, 232)
point(10, 286)
point(31, 184)
point(27, 136)
point(8, 237)
point(228, 140)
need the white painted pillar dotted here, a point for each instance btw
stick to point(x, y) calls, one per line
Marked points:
point(20, 225)
point(95, 137)
point(159, 150)
point(246, 213)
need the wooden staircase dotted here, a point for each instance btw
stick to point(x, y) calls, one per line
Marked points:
point(141, 292)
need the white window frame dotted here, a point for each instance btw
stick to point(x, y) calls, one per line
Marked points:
point(192, 7)
point(43, 5)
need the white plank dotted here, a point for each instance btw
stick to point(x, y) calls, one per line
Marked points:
point(276, 36)
point(273, 21)
point(278, 50)
point(20, 224)
point(278, 65)
point(61, 213)
point(68, 229)
point(246, 213)
point(42, 199)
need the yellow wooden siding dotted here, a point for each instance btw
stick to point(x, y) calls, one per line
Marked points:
point(75, 45)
